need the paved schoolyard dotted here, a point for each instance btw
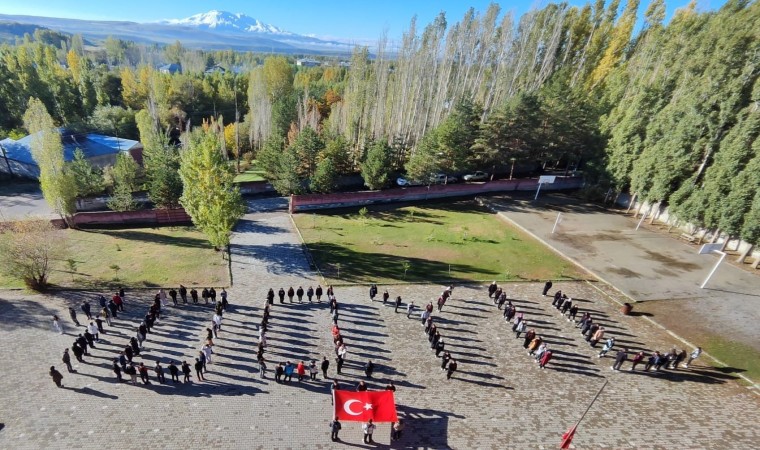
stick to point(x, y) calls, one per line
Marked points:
point(498, 399)
point(646, 265)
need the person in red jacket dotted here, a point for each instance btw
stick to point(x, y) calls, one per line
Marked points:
point(545, 358)
point(301, 370)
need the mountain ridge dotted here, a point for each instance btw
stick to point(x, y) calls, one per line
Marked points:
point(258, 37)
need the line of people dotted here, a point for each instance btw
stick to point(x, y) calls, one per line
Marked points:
point(299, 293)
point(532, 342)
point(436, 341)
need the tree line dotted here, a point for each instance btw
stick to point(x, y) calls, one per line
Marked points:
point(666, 112)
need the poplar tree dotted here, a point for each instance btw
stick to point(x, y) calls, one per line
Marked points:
point(57, 183)
point(210, 196)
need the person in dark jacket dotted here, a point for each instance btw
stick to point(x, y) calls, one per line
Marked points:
point(56, 376)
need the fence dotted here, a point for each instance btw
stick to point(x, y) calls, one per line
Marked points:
point(420, 193)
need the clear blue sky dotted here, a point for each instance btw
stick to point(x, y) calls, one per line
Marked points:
point(357, 19)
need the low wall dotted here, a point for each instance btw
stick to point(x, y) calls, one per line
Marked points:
point(151, 217)
point(310, 202)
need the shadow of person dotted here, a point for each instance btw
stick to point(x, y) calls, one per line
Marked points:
point(93, 392)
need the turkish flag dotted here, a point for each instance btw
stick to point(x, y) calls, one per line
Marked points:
point(567, 438)
point(361, 406)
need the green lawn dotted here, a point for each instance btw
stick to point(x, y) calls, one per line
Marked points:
point(147, 257)
point(439, 242)
point(253, 173)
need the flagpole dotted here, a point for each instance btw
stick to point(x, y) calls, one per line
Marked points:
point(592, 403)
point(567, 438)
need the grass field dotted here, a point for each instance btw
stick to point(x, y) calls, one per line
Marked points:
point(253, 173)
point(147, 257)
point(437, 242)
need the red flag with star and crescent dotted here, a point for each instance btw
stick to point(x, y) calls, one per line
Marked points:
point(350, 406)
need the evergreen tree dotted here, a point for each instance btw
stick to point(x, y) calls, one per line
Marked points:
point(377, 166)
point(161, 163)
point(88, 179)
point(325, 177)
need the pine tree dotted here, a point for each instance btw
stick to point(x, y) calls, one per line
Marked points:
point(377, 165)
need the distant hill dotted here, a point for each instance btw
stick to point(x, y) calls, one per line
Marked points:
point(213, 30)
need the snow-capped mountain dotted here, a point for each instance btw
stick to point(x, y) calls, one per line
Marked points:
point(223, 21)
point(211, 30)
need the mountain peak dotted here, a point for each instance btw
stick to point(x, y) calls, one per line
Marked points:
point(225, 21)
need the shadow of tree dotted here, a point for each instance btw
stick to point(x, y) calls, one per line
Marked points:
point(368, 266)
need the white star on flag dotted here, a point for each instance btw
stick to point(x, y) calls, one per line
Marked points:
point(368, 406)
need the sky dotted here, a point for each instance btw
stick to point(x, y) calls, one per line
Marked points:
point(357, 19)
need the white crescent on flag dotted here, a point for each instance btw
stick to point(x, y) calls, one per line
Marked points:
point(347, 407)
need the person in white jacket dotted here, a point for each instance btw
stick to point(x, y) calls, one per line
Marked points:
point(694, 355)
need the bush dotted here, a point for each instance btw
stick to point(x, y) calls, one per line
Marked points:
point(29, 248)
point(248, 157)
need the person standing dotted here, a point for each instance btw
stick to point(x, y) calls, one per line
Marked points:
point(93, 329)
point(620, 358)
point(301, 370)
point(183, 294)
point(199, 369)
point(333, 387)
point(398, 303)
point(159, 373)
point(386, 296)
point(313, 370)
point(445, 360)
point(207, 352)
point(212, 295)
point(339, 360)
point(451, 369)
point(73, 315)
point(520, 329)
point(439, 347)
point(547, 286)
point(299, 294)
point(262, 367)
point(56, 376)
point(368, 369)
point(335, 427)
point(491, 289)
point(194, 295)
point(223, 299)
point(372, 292)
point(281, 294)
point(545, 358)
point(67, 360)
point(270, 296)
point(368, 429)
point(144, 373)
point(86, 309)
point(57, 326)
point(694, 355)
point(325, 366)
point(318, 292)
point(291, 293)
point(636, 360)
point(117, 369)
point(607, 346)
point(174, 372)
point(186, 371)
point(310, 293)
point(205, 295)
point(409, 309)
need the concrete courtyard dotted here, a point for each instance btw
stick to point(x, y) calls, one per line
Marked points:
point(499, 398)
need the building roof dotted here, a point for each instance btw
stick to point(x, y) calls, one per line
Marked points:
point(170, 68)
point(91, 144)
